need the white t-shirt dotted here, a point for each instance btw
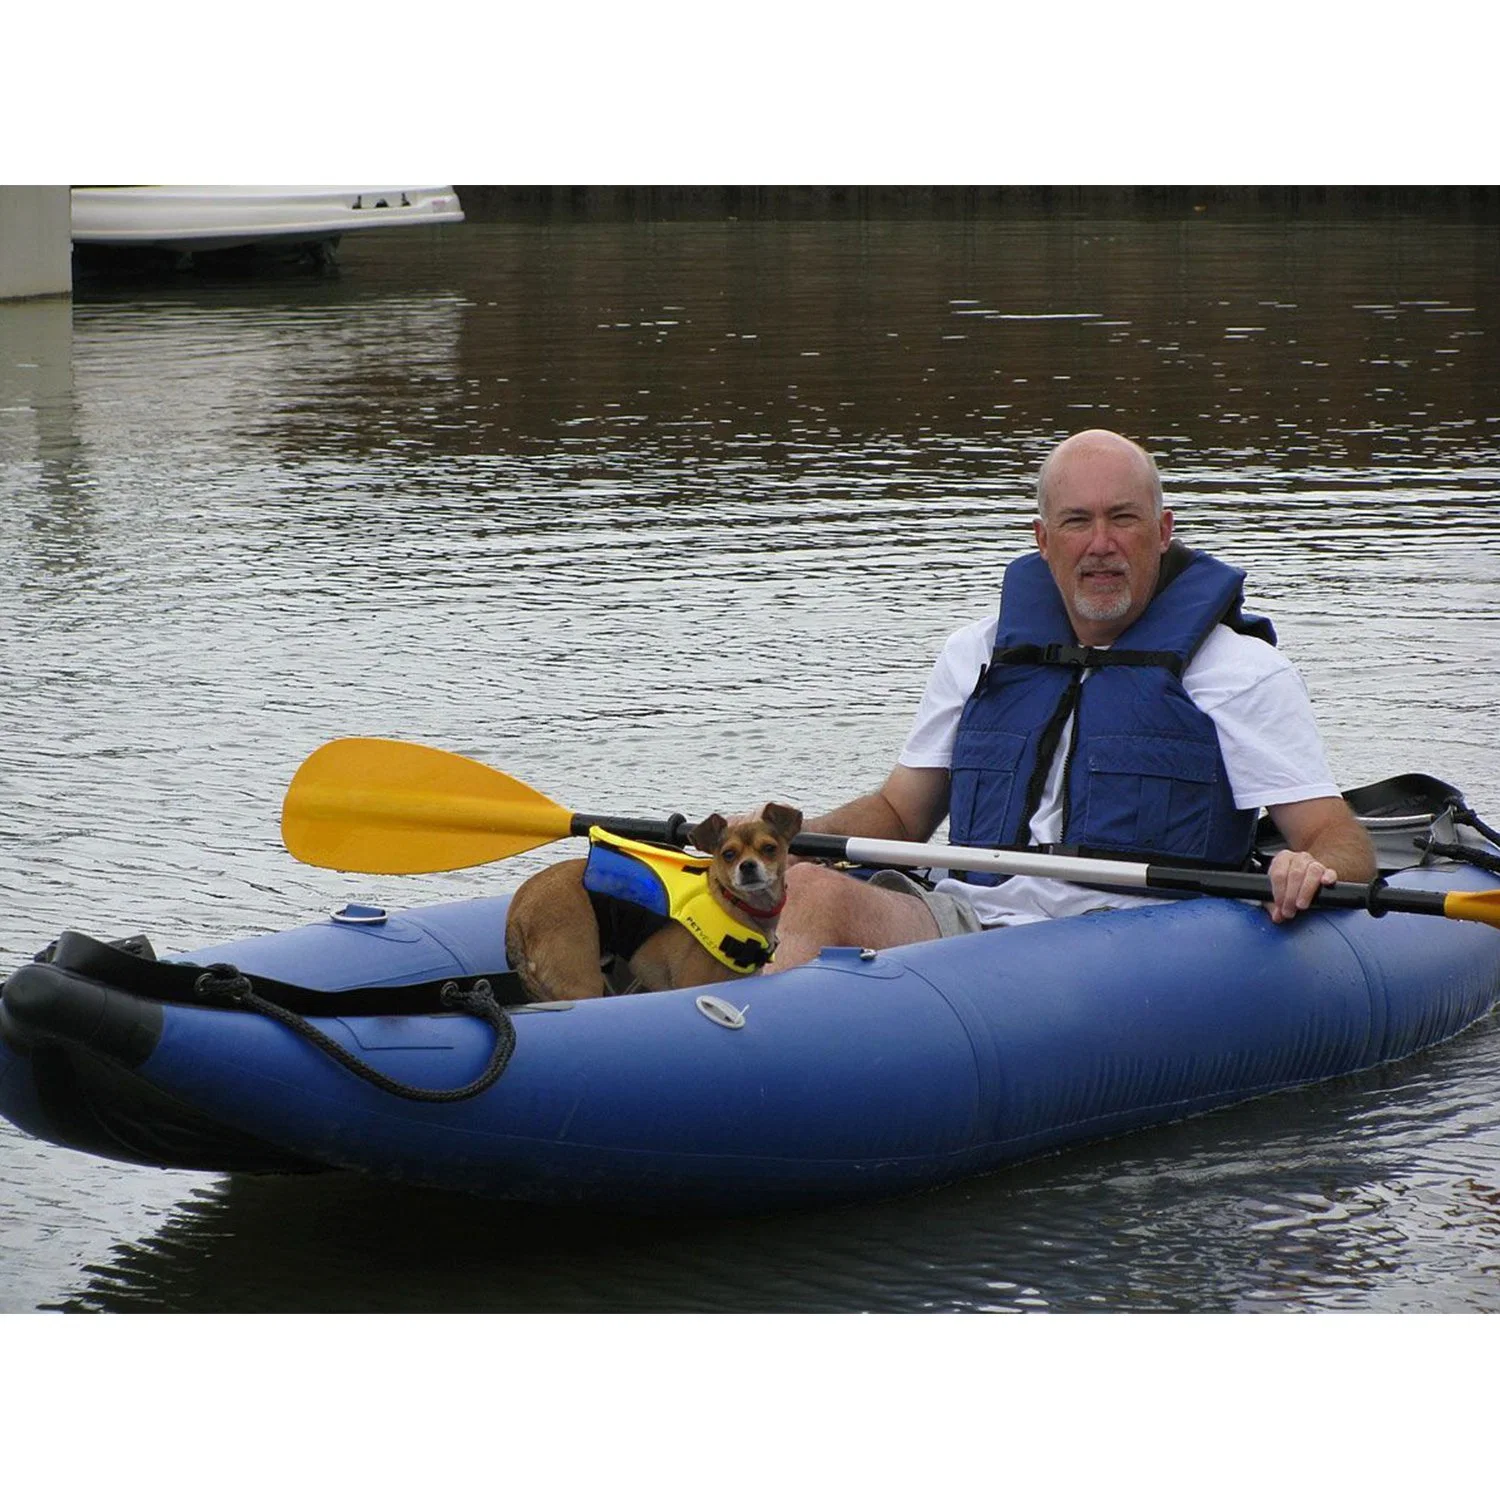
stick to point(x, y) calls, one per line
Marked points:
point(1255, 696)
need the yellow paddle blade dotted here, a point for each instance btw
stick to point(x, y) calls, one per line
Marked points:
point(1473, 906)
point(385, 807)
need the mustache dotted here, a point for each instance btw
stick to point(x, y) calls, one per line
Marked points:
point(1111, 569)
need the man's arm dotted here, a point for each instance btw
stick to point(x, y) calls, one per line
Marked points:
point(910, 805)
point(1325, 843)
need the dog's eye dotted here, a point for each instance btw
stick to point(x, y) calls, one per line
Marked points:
point(768, 850)
point(730, 851)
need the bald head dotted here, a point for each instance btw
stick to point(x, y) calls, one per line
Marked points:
point(1089, 450)
point(1101, 529)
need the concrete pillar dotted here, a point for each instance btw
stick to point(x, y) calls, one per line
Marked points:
point(39, 417)
point(36, 242)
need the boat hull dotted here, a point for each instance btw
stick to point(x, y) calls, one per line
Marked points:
point(202, 219)
point(858, 1075)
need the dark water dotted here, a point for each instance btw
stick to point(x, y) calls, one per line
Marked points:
point(662, 516)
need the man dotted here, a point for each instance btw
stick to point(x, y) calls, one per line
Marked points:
point(1167, 749)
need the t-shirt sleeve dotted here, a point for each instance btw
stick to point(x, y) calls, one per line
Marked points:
point(1267, 733)
point(954, 674)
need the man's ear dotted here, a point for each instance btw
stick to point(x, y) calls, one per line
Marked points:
point(1166, 529)
point(1039, 527)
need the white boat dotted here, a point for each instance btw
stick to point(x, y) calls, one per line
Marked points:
point(189, 220)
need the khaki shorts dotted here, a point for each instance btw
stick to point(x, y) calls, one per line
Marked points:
point(953, 914)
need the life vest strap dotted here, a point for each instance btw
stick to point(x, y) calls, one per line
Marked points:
point(1090, 657)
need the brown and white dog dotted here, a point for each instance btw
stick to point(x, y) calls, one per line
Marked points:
point(559, 935)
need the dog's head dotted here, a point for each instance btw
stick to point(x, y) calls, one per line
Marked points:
point(749, 855)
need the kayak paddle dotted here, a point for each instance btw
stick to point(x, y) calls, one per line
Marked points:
point(388, 807)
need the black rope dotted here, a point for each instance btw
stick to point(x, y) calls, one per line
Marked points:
point(1480, 858)
point(1462, 814)
point(223, 983)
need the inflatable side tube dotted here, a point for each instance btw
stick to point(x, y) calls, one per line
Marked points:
point(41, 1003)
point(71, 1047)
point(83, 1101)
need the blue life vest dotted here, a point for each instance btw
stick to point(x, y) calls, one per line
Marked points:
point(1144, 777)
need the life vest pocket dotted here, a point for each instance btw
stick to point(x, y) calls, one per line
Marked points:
point(1147, 794)
point(982, 784)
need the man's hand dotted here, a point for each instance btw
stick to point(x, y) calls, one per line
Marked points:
point(1295, 879)
point(1327, 844)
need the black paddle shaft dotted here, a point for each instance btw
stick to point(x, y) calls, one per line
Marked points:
point(1377, 897)
point(673, 830)
point(676, 828)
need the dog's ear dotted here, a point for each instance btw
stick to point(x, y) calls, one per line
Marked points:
point(708, 834)
point(787, 821)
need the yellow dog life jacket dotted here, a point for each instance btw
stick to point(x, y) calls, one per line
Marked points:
point(669, 885)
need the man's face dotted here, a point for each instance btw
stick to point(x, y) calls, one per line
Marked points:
point(1102, 539)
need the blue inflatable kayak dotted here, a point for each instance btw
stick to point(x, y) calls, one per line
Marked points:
point(394, 1044)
